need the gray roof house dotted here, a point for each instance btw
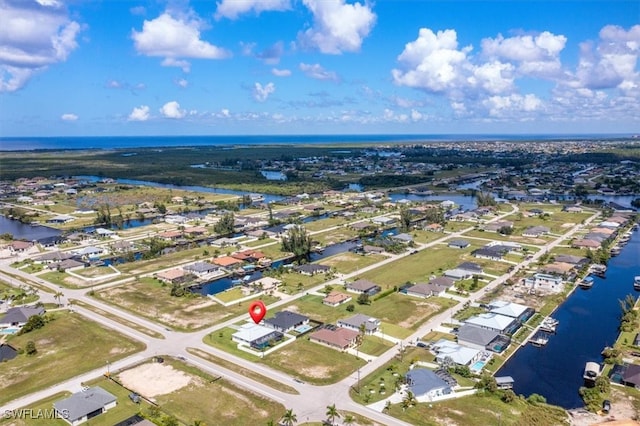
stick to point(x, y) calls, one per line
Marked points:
point(426, 385)
point(17, 317)
point(403, 238)
point(7, 352)
point(311, 269)
point(458, 244)
point(285, 321)
point(201, 268)
point(84, 405)
point(363, 286)
point(476, 337)
point(471, 267)
point(371, 325)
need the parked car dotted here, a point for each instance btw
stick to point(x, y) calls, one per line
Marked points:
point(606, 406)
point(421, 345)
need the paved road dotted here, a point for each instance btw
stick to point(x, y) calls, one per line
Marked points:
point(311, 402)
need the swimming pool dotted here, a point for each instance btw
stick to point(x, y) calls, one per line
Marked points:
point(11, 330)
point(303, 328)
point(477, 366)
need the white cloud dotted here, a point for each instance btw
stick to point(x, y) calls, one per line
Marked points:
point(33, 35)
point(140, 113)
point(232, 9)
point(182, 82)
point(432, 62)
point(173, 38)
point(535, 55)
point(261, 93)
point(337, 26)
point(493, 77)
point(612, 62)
point(172, 110)
point(507, 106)
point(416, 115)
point(68, 117)
point(318, 72)
point(280, 73)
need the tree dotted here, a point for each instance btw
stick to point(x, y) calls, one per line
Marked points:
point(30, 348)
point(363, 299)
point(535, 398)
point(351, 307)
point(409, 400)
point(485, 199)
point(58, 296)
point(298, 242)
point(405, 218)
point(33, 323)
point(332, 413)
point(487, 382)
point(225, 224)
point(509, 396)
point(349, 420)
point(289, 418)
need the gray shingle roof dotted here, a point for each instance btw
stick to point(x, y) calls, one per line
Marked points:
point(80, 404)
point(20, 314)
point(422, 381)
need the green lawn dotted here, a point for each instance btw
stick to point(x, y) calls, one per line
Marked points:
point(149, 298)
point(62, 346)
point(321, 224)
point(424, 237)
point(260, 242)
point(231, 294)
point(373, 345)
point(335, 236)
point(348, 262)
point(20, 296)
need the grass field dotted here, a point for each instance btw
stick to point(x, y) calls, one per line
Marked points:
point(373, 345)
point(62, 346)
point(348, 262)
point(147, 297)
point(118, 319)
point(335, 236)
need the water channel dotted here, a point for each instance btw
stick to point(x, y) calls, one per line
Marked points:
point(589, 321)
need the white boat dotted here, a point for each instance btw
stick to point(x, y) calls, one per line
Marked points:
point(636, 282)
point(587, 282)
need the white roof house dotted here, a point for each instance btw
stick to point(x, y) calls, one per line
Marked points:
point(460, 355)
point(492, 321)
point(509, 309)
point(251, 332)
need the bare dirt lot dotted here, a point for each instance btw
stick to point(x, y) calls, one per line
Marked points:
point(154, 379)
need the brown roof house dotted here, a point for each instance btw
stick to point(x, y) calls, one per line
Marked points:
point(335, 337)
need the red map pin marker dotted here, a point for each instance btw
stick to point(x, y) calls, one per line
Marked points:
point(257, 311)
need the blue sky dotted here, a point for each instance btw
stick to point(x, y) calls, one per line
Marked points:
point(118, 67)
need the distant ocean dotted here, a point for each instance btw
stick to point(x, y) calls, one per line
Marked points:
point(126, 142)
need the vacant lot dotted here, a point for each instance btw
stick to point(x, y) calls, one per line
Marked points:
point(149, 298)
point(348, 262)
point(62, 346)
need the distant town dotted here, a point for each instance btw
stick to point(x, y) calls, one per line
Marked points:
point(406, 283)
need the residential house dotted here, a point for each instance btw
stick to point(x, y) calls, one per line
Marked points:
point(67, 265)
point(368, 249)
point(266, 283)
point(496, 226)
point(436, 287)
point(459, 244)
point(17, 317)
point(492, 253)
point(535, 231)
point(103, 232)
point(448, 351)
point(90, 252)
point(311, 269)
point(545, 282)
point(61, 219)
point(510, 309)
point(336, 298)
point(458, 274)
point(472, 267)
point(574, 260)
point(335, 337)
point(285, 321)
point(256, 336)
point(384, 220)
point(84, 405)
point(631, 375)
point(496, 322)
point(201, 269)
point(425, 385)
point(173, 276)
point(196, 231)
point(477, 337)
point(505, 382)
point(50, 241)
point(18, 246)
point(585, 243)
point(226, 261)
point(170, 235)
point(363, 286)
point(434, 227)
point(52, 257)
point(402, 238)
point(371, 325)
point(7, 352)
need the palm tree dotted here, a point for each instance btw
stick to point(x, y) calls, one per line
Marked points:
point(58, 296)
point(349, 420)
point(289, 418)
point(409, 400)
point(332, 413)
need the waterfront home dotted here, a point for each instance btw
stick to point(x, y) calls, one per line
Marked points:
point(336, 298)
point(266, 283)
point(61, 219)
point(477, 337)
point(226, 261)
point(448, 351)
point(505, 382)
point(402, 238)
point(384, 220)
point(172, 276)
point(103, 232)
point(285, 321)
point(585, 243)
point(311, 269)
point(434, 227)
point(170, 235)
point(371, 325)
point(201, 269)
point(545, 282)
point(631, 375)
point(425, 385)
point(369, 249)
point(196, 231)
point(256, 336)
point(90, 252)
point(66, 265)
point(335, 337)
point(52, 257)
point(514, 310)
point(18, 246)
point(496, 322)
point(558, 268)
point(574, 260)
point(363, 286)
point(84, 405)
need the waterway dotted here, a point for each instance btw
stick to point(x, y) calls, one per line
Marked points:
point(25, 231)
point(589, 321)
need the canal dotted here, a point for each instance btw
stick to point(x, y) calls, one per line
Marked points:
point(589, 321)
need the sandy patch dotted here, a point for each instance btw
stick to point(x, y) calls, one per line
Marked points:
point(202, 305)
point(568, 225)
point(154, 379)
point(423, 309)
point(316, 372)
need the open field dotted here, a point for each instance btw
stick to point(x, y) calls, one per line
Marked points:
point(117, 319)
point(334, 236)
point(149, 298)
point(245, 372)
point(190, 395)
point(62, 345)
point(348, 262)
